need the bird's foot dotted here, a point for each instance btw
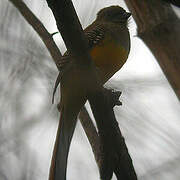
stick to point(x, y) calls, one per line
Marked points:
point(113, 97)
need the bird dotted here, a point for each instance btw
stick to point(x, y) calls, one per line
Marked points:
point(108, 40)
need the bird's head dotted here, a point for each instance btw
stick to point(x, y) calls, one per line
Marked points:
point(115, 14)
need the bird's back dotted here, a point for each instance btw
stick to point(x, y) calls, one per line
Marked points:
point(109, 47)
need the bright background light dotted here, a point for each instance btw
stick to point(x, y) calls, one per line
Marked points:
point(149, 117)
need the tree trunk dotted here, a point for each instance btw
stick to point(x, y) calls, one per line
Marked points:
point(159, 28)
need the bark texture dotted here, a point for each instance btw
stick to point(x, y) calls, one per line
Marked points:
point(159, 28)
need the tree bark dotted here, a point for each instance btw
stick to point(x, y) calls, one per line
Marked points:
point(158, 26)
point(114, 155)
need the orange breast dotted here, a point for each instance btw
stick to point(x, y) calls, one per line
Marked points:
point(109, 57)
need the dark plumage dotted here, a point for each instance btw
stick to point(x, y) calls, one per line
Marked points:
point(113, 14)
point(109, 45)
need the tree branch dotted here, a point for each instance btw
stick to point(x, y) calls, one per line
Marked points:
point(91, 133)
point(114, 155)
point(71, 30)
point(158, 27)
point(40, 30)
point(46, 37)
point(113, 148)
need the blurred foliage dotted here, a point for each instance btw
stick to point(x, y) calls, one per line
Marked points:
point(149, 117)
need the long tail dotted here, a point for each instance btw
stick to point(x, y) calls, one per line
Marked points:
point(72, 99)
point(61, 148)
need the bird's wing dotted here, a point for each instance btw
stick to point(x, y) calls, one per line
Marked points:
point(95, 34)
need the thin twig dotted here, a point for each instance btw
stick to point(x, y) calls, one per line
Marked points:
point(40, 30)
point(91, 133)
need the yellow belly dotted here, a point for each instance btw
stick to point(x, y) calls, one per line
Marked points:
point(108, 57)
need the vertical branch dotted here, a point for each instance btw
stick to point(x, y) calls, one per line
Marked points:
point(158, 27)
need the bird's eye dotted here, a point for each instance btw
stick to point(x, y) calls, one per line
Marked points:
point(117, 14)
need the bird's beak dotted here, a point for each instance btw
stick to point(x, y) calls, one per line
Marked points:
point(128, 15)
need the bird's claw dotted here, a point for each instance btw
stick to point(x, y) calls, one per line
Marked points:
point(113, 97)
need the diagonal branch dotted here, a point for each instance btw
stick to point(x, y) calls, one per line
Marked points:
point(46, 37)
point(91, 133)
point(40, 29)
point(71, 30)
